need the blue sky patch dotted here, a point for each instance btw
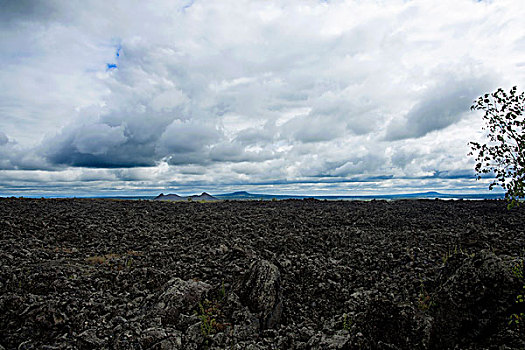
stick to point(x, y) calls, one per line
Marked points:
point(187, 5)
point(110, 66)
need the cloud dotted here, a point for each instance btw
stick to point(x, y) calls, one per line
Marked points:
point(97, 139)
point(249, 92)
point(13, 156)
point(256, 135)
point(236, 152)
point(96, 145)
point(314, 128)
point(439, 107)
point(26, 11)
point(187, 143)
point(3, 139)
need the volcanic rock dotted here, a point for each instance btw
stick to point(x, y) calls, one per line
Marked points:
point(291, 274)
point(376, 320)
point(261, 292)
point(475, 296)
point(180, 297)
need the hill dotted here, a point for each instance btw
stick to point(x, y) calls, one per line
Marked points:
point(175, 197)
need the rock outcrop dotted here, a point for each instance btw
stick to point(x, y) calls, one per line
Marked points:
point(180, 297)
point(261, 292)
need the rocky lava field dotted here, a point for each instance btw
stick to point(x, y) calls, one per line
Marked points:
point(294, 274)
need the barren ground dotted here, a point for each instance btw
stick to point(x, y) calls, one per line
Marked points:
point(401, 274)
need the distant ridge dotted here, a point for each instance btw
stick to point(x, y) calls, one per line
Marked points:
point(243, 195)
point(203, 197)
point(175, 197)
point(168, 197)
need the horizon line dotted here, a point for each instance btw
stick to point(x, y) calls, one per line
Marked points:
point(491, 194)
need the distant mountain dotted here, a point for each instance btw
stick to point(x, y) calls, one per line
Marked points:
point(203, 197)
point(175, 197)
point(168, 197)
point(243, 195)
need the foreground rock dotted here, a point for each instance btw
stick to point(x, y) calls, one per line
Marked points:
point(261, 291)
point(85, 274)
point(179, 298)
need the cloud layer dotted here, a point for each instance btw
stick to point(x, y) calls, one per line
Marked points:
point(300, 96)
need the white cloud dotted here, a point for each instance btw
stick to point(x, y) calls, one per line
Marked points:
point(249, 91)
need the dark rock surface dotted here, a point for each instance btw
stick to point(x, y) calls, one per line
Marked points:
point(180, 297)
point(298, 274)
point(261, 292)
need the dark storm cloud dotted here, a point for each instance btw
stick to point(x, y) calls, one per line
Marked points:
point(187, 142)
point(12, 11)
point(14, 157)
point(97, 146)
point(437, 109)
point(455, 174)
point(3, 139)
point(186, 137)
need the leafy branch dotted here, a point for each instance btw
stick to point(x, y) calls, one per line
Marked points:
point(504, 153)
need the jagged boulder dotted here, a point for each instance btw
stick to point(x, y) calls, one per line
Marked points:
point(260, 290)
point(473, 299)
point(180, 297)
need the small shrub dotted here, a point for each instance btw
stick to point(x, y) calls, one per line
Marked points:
point(101, 259)
point(457, 250)
point(209, 313)
point(206, 315)
point(517, 270)
point(347, 322)
point(424, 301)
point(113, 260)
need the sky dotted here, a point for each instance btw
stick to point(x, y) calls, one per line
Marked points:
point(285, 97)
